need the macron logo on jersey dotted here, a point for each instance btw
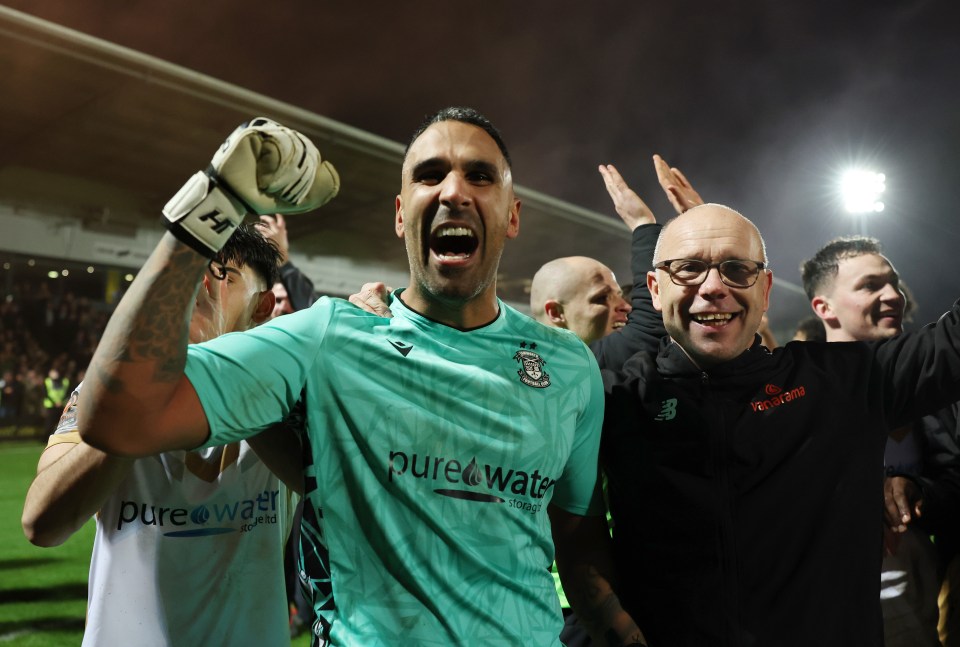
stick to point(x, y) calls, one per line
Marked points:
point(402, 348)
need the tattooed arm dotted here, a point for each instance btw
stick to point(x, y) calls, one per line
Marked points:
point(135, 400)
point(586, 571)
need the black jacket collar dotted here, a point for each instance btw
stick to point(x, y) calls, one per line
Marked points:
point(673, 362)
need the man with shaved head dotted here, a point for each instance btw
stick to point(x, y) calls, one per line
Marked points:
point(744, 482)
point(580, 294)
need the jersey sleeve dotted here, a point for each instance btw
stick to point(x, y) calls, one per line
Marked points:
point(576, 491)
point(248, 381)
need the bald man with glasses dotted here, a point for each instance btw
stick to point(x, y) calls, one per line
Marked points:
point(744, 483)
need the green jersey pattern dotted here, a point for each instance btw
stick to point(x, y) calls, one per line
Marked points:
point(434, 453)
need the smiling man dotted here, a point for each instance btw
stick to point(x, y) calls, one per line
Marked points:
point(856, 292)
point(712, 315)
point(438, 438)
point(743, 483)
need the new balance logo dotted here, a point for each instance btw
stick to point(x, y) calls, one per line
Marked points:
point(402, 348)
point(668, 410)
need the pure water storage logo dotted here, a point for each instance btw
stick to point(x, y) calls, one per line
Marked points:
point(242, 515)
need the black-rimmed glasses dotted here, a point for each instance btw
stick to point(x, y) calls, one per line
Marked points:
point(690, 272)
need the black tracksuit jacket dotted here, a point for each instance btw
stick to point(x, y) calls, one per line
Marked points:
point(746, 499)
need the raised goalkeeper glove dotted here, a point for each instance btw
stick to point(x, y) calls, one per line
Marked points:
point(261, 168)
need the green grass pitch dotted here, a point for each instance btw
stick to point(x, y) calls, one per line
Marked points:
point(43, 591)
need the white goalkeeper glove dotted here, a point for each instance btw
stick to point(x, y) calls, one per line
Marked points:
point(262, 168)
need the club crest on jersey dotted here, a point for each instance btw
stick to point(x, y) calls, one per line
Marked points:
point(531, 367)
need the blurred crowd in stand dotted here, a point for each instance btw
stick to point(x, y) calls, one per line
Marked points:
point(46, 341)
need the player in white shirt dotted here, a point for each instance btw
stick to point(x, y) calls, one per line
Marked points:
point(189, 544)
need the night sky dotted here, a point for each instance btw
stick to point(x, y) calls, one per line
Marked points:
point(761, 104)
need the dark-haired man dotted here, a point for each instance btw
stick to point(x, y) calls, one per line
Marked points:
point(438, 438)
point(857, 294)
point(189, 544)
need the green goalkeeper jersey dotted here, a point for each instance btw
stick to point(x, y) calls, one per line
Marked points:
point(432, 455)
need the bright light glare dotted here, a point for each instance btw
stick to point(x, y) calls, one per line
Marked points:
point(861, 191)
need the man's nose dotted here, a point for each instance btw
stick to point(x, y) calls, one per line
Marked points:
point(712, 284)
point(455, 191)
point(891, 293)
point(623, 305)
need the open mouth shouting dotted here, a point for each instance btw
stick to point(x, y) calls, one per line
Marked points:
point(453, 244)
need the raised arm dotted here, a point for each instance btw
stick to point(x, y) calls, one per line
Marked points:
point(299, 287)
point(136, 400)
point(644, 327)
point(628, 205)
point(680, 192)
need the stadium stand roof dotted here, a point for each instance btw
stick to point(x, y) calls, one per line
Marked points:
point(97, 137)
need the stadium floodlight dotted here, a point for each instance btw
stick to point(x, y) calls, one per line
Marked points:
point(861, 191)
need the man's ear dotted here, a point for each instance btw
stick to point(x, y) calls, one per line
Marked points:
point(266, 299)
point(554, 311)
point(654, 286)
point(768, 277)
point(398, 221)
point(513, 225)
point(822, 308)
